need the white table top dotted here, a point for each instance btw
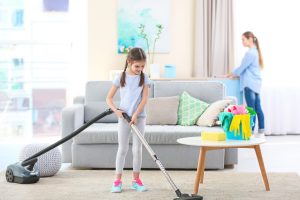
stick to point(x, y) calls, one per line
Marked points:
point(196, 141)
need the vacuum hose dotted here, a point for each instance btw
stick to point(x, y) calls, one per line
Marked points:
point(32, 160)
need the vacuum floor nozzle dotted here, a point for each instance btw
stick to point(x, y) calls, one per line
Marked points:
point(188, 197)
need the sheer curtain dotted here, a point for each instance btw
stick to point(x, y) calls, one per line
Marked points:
point(274, 22)
point(214, 36)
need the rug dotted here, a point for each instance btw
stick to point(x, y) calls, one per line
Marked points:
point(71, 184)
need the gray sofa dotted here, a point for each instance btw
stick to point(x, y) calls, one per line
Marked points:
point(96, 146)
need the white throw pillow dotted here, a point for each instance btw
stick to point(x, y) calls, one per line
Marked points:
point(162, 110)
point(210, 115)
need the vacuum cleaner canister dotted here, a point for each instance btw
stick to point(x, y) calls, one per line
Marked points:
point(16, 173)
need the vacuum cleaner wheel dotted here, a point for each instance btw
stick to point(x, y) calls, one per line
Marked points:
point(9, 175)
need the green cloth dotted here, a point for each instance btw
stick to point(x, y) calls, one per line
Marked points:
point(190, 109)
point(251, 111)
point(225, 119)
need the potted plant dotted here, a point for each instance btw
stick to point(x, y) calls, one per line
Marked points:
point(154, 68)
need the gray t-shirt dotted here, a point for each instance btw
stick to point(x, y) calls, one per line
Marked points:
point(131, 93)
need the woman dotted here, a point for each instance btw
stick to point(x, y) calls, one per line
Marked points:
point(250, 77)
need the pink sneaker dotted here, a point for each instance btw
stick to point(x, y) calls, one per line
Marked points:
point(116, 187)
point(138, 185)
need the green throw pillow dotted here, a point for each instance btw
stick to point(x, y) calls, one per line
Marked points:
point(190, 109)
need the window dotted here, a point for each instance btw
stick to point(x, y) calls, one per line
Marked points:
point(274, 22)
point(38, 65)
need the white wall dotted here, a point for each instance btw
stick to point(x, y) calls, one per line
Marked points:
point(275, 26)
point(102, 39)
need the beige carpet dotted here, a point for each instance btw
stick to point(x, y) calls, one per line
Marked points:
point(72, 184)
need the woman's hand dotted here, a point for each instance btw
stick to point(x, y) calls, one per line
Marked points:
point(231, 75)
point(133, 119)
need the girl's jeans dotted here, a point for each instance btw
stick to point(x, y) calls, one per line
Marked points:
point(253, 101)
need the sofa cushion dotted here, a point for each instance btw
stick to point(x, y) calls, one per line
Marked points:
point(208, 91)
point(94, 108)
point(98, 90)
point(190, 109)
point(98, 133)
point(168, 134)
point(162, 110)
point(106, 133)
point(95, 100)
point(210, 115)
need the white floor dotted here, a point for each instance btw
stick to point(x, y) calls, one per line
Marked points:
point(280, 154)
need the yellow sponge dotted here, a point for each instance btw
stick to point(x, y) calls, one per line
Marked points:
point(213, 136)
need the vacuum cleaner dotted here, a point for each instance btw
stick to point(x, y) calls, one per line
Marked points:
point(26, 172)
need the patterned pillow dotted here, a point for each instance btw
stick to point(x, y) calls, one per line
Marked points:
point(190, 109)
point(210, 115)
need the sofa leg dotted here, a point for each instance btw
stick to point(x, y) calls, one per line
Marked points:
point(229, 166)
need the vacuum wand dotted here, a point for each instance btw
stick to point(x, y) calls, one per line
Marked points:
point(159, 164)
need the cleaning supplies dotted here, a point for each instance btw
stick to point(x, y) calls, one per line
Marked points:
point(240, 124)
point(237, 122)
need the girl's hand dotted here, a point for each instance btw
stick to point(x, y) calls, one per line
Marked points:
point(119, 113)
point(133, 119)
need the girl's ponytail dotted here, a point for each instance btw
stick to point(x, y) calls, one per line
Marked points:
point(142, 79)
point(122, 80)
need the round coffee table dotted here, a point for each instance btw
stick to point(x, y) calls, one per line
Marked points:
point(213, 145)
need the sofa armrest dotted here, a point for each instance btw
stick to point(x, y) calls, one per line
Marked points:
point(72, 119)
point(79, 100)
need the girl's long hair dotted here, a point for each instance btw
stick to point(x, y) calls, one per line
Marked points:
point(135, 54)
point(249, 34)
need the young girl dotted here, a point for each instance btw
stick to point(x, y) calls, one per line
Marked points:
point(250, 77)
point(134, 86)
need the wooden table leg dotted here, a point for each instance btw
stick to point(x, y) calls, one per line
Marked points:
point(262, 166)
point(203, 156)
point(200, 169)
